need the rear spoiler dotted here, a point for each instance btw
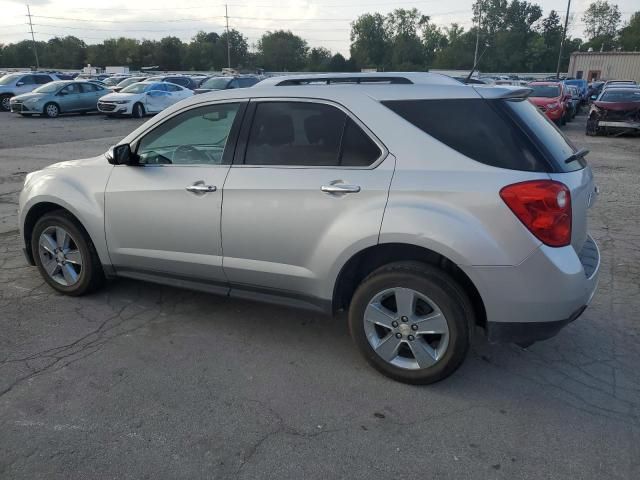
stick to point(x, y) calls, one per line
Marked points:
point(490, 92)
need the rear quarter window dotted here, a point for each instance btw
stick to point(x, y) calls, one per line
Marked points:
point(509, 134)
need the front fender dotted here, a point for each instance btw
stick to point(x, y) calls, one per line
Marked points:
point(78, 189)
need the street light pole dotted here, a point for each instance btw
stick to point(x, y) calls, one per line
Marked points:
point(226, 16)
point(33, 38)
point(564, 34)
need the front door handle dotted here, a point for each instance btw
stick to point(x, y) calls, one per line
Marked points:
point(340, 188)
point(200, 187)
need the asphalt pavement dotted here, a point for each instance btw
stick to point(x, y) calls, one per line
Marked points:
point(145, 381)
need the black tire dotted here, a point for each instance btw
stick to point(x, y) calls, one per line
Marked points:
point(433, 283)
point(137, 111)
point(4, 102)
point(563, 119)
point(592, 128)
point(91, 276)
point(51, 110)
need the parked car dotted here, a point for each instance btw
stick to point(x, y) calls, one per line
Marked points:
point(582, 87)
point(628, 83)
point(575, 100)
point(54, 98)
point(14, 84)
point(594, 90)
point(143, 98)
point(226, 82)
point(114, 80)
point(617, 110)
point(364, 198)
point(182, 80)
point(551, 99)
point(126, 82)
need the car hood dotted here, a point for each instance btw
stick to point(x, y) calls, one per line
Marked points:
point(618, 106)
point(30, 96)
point(120, 96)
point(541, 101)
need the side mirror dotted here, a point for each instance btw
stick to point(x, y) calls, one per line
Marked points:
point(593, 97)
point(121, 155)
point(19, 84)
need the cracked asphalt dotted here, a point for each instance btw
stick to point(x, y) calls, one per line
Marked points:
point(144, 381)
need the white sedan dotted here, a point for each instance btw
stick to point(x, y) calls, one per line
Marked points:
point(142, 98)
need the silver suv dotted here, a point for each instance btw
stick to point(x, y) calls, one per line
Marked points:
point(420, 206)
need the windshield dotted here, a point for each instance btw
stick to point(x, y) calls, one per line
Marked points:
point(112, 81)
point(7, 79)
point(129, 81)
point(617, 95)
point(135, 88)
point(216, 83)
point(49, 87)
point(545, 91)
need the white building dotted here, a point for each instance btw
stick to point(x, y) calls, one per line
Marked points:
point(605, 66)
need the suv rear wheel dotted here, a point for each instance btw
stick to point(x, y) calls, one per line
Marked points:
point(65, 255)
point(411, 321)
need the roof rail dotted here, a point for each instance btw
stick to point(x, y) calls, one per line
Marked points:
point(393, 78)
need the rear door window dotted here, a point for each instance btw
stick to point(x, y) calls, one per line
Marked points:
point(307, 134)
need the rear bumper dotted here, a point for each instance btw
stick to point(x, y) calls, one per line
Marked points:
point(534, 300)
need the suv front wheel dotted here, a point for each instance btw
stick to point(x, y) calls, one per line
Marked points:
point(411, 321)
point(65, 255)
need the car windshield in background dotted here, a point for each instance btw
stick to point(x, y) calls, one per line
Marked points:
point(7, 79)
point(217, 83)
point(129, 81)
point(545, 91)
point(617, 95)
point(112, 81)
point(135, 88)
point(49, 87)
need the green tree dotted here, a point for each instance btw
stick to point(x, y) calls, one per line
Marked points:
point(282, 51)
point(630, 34)
point(319, 59)
point(601, 21)
point(404, 28)
point(170, 53)
point(370, 41)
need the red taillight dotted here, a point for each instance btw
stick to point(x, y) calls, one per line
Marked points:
point(544, 206)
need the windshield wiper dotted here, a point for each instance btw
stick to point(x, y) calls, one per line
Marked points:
point(577, 155)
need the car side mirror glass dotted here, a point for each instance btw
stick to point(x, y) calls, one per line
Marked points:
point(19, 84)
point(121, 155)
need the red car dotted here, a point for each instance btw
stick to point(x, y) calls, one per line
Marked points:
point(616, 111)
point(551, 98)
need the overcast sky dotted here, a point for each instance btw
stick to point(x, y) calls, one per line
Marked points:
point(320, 22)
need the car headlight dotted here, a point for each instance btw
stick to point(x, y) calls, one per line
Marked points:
point(122, 102)
point(553, 106)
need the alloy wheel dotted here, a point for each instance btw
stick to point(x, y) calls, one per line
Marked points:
point(406, 328)
point(60, 256)
point(6, 103)
point(52, 110)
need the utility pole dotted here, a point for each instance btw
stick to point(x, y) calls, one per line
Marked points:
point(564, 34)
point(35, 49)
point(226, 16)
point(475, 55)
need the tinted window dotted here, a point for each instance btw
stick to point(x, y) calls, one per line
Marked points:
point(71, 89)
point(545, 91)
point(247, 82)
point(28, 80)
point(172, 88)
point(617, 95)
point(90, 87)
point(358, 150)
point(555, 146)
point(216, 83)
point(197, 136)
point(289, 133)
point(183, 82)
point(42, 79)
point(477, 128)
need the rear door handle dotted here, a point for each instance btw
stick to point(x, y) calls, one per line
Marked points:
point(200, 187)
point(340, 188)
